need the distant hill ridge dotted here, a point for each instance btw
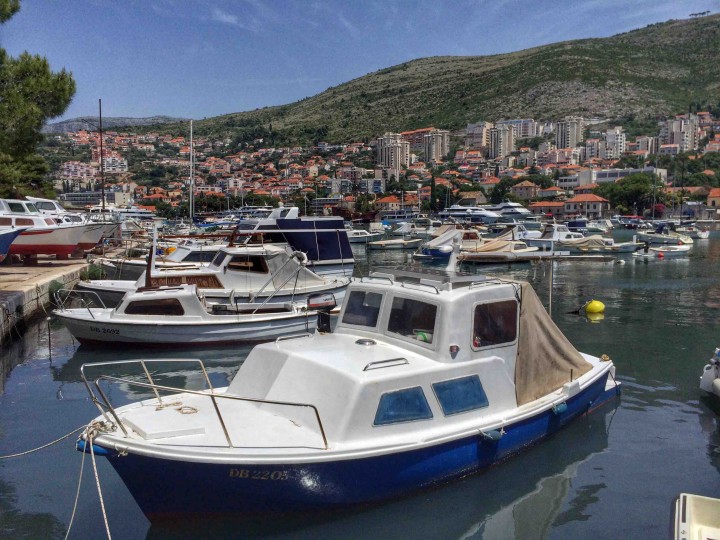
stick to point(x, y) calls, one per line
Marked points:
point(88, 122)
point(634, 77)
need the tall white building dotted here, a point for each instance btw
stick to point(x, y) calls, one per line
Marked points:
point(502, 141)
point(436, 145)
point(393, 152)
point(478, 135)
point(683, 130)
point(614, 143)
point(569, 132)
point(524, 127)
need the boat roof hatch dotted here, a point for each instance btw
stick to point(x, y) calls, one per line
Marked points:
point(428, 275)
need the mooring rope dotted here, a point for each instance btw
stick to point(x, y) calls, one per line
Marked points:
point(19, 454)
point(77, 497)
point(90, 433)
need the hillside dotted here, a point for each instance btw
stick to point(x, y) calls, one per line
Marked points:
point(87, 122)
point(632, 77)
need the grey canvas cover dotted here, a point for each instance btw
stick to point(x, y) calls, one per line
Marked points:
point(545, 357)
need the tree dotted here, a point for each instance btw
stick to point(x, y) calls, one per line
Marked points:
point(30, 94)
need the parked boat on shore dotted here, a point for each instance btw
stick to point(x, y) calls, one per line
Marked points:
point(429, 376)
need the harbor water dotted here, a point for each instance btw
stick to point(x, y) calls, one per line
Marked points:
point(612, 474)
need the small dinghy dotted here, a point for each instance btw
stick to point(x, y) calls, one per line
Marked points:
point(710, 379)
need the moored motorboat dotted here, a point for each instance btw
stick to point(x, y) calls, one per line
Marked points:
point(179, 317)
point(429, 376)
point(361, 236)
point(664, 234)
point(245, 273)
point(663, 251)
point(597, 244)
point(395, 243)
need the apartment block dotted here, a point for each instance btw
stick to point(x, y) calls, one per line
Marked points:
point(478, 135)
point(393, 152)
point(569, 132)
point(524, 128)
point(683, 130)
point(614, 143)
point(436, 145)
point(502, 142)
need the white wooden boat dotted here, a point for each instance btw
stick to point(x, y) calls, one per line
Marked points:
point(696, 518)
point(663, 235)
point(178, 317)
point(693, 231)
point(552, 233)
point(396, 243)
point(597, 244)
point(245, 273)
point(663, 251)
point(429, 376)
point(361, 236)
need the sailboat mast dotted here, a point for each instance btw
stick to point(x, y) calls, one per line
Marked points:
point(192, 176)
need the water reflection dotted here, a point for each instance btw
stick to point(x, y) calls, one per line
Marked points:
point(522, 498)
point(15, 523)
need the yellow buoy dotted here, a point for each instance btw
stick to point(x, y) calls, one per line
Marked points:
point(594, 306)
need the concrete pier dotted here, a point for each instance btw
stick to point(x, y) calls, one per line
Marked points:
point(25, 290)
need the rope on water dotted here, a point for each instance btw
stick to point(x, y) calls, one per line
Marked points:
point(77, 497)
point(43, 446)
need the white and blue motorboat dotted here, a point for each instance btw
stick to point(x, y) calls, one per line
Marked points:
point(429, 375)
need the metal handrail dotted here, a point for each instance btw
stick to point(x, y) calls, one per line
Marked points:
point(60, 301)
point(293, 336)
point(106, 407)
point(379, 364)
point(416, 286)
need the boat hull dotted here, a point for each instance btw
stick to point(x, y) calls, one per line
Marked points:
point(103, 332)
point(168, 487)
point(7, 237)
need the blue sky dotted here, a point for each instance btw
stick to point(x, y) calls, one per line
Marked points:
point(196, 59)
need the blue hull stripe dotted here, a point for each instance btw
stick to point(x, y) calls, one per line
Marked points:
point(165, 487)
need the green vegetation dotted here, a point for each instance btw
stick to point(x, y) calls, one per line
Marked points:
point(630, 79)
point(30, 94)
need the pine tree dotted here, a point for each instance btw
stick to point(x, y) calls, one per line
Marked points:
point(30, 94)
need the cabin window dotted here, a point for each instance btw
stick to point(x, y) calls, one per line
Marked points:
point(243, 263)
point(163, 306)
point(16, 207)
point(45, 205)
point(31, 208)
point(49, 221)
point(362, 308)
point(219, 258)
point(460, 395)
point(412, 319)
point(199, 256)
point(495, 323)
point(6, 221)
point(24, 221)
point(402, 406)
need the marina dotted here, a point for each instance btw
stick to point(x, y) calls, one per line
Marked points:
point(658, 328)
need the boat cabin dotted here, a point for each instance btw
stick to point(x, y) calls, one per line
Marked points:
point(419, 349)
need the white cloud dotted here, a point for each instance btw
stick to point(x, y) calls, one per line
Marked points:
point(221, 16)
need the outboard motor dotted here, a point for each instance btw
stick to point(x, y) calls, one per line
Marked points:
point(323, 303)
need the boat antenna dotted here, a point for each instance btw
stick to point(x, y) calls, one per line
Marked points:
point(150, 261)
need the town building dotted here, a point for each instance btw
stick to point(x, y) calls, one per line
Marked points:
point(569, 132)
